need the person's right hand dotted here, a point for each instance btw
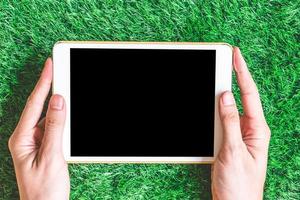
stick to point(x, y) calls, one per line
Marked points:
point(239, 170)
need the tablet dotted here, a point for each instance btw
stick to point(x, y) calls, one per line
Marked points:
point(136, 102)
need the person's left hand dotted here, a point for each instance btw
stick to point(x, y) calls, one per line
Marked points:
point(36, 147)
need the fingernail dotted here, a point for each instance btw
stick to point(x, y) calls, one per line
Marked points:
point(228, 99)
point(56, 102)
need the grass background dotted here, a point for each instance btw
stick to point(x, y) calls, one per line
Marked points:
point(266, 31)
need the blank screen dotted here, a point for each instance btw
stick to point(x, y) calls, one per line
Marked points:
point(142, 102)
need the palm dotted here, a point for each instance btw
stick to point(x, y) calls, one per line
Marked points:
point(254, 134)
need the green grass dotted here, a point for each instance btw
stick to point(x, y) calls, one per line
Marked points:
point(266, 31)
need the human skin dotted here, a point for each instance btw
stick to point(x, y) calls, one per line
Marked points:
point(239, 170)
point(36, 146)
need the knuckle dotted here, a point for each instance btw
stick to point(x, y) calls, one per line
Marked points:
point(233, 149)
point(231, 117)
point(268, 132)
point(52, 123)
point(10, 143)
point(33, 101)
point(29, 99)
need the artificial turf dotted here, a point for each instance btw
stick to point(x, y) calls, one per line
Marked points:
point(266, 31)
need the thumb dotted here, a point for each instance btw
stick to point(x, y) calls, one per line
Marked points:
point(230, 120)
point(54, 125)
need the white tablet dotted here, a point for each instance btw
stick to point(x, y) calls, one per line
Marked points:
point(138, 102)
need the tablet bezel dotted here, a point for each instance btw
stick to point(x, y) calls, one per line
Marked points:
point(61, 85)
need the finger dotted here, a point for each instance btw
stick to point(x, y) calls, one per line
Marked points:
point(249, 93)
point(54, 125)
point(230, 120)
point(35, 103)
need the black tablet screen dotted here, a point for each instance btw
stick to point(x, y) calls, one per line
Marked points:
point(134, 102)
